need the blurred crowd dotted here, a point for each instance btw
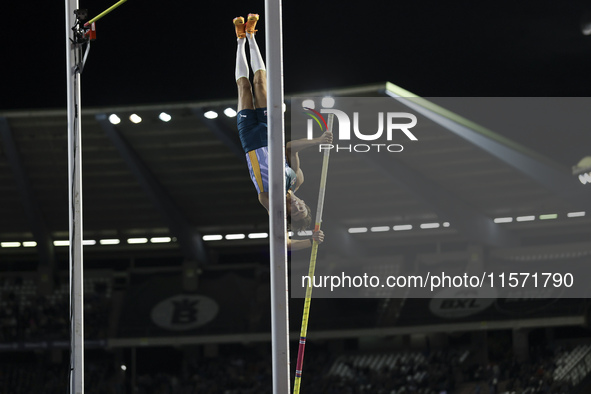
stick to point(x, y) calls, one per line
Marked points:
point(26, 316)
point(252, 373)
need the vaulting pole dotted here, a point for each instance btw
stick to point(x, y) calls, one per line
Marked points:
point(312, 268)
point(73, 61)
point(105, 12)
point(277, 217)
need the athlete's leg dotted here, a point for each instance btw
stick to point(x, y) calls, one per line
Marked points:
point(245, 99)
point(257, 64)
point(260, 89)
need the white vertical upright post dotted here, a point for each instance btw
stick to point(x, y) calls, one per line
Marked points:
point(73, 60)
point(277, 222)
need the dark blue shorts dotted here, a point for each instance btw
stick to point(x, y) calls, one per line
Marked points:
point(252, 128)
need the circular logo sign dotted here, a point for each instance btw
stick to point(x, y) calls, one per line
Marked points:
point(184, 312)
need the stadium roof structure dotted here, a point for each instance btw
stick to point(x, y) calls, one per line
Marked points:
point(186, 178)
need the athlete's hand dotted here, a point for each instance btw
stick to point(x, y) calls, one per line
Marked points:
point(326, 138)
point(318, 236)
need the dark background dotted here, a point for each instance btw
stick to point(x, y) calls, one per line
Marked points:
point(155, 51)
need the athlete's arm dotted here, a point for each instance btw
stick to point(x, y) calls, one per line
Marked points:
point(295, 244)
point(296, 146)
point(293, 158)
point(298, 244)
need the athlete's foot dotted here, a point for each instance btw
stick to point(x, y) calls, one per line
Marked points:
point(240, 27)
point(251, 23)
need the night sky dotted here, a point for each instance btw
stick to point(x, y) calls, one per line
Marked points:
point(151, 52)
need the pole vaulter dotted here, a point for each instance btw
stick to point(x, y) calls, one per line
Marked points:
point(78, 37)
point(274, 167)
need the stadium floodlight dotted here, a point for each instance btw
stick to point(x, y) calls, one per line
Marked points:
point(230, 112)
point(135, 118)
point(235, 236)
point(110, 241)
point(89, 242)
point(114, 119)
point(379, 229)
point(258, 235)
point(575, 214)
point(426, 226)
point(10, 244)
point(402, 227)
point(164, 117)
point(357, 230)
point(160, 240)
point(503, 220)
point(61, 243)
point(548, 216)
point(212, 237)
point(211, 114)
point(29, 244)
point(137, 240)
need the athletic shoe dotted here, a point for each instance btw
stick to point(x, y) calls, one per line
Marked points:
point(240, 27)
point(251, 23)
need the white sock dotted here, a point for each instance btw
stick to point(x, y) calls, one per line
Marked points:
point(241, 63)
point(256, 60)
